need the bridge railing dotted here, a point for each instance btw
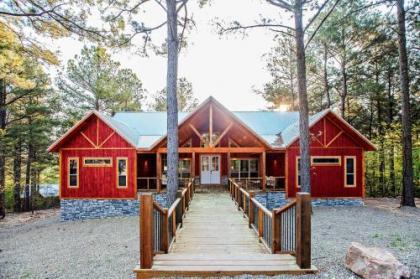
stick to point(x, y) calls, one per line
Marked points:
point(158, 225)
point(281, 230)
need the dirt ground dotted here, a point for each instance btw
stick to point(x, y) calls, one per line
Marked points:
point(40, 246)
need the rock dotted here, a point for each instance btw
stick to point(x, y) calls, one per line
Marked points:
point(374, 263)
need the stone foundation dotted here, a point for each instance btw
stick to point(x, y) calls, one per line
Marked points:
point(273, 200)
point(81, 209)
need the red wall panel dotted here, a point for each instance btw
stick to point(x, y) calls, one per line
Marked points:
point(328, 181)
point(97, 182)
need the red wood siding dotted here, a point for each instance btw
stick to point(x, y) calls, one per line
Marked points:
point(275, 164)
point(97, 182)
point(327, 139)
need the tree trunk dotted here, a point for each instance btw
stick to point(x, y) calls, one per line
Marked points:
point(381, 153)
point(28, 194)
point(33, 181)
point(326, 84)
point(407, 198)
point(391, 147)
point(172, 103)
point(343, 94)
point(17, 175)
point(292, 83)
point(303, 100)
point(2, 148)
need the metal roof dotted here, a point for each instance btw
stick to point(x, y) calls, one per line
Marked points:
point(145, 128)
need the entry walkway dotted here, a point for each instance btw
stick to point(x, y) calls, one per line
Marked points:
point(215, 240)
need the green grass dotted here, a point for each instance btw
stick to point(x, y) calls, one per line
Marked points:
point(397, 242)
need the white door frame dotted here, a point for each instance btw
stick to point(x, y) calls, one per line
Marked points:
point(210, 176)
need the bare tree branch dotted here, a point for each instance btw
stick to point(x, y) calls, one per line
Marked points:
point(316, 15)
point(238, 26)
point(281, 4)
point(321, 23)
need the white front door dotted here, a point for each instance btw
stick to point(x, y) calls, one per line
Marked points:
point(210, 169)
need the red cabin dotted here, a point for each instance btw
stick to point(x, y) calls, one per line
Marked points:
point(105, 157)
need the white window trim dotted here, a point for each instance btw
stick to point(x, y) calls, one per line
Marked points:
point(97, 165)
point(354, 173)
point(68, 171)
point(118, 176)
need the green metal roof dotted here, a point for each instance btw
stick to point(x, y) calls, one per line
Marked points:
point(145, 128)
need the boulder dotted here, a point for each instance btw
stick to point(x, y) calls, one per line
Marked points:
point(374, 263)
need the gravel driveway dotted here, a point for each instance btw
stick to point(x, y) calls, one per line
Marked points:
point(108, 248)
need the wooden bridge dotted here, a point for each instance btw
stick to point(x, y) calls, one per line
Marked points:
point(223, 235)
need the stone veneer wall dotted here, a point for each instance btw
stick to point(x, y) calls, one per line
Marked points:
point(81, 209)
point(277, 199)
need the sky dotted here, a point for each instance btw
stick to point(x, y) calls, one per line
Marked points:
point(227, 68)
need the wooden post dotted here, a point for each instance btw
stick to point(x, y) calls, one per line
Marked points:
point(276, 226)
point(303, 230)
point(146, 231)
point(211, 126)
point(251, 209)
point(178, 209)
point(165, 232)
point(228, 165)
point(260, 222)
point(174, 223)
point(263, 171)
point(158, 171)
point(193, 165)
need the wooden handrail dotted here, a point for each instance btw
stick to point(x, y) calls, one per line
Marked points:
point(262, 207)
point(152, 242)
point(158, 207)
point(284, 207)
point(296, 215)
point(174, 205)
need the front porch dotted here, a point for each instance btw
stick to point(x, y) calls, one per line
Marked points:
point(253, 168)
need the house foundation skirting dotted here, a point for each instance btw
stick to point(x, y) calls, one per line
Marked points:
point(81, 209)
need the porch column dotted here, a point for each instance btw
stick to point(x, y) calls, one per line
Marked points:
point(158, 171)
point(193, 165)
point(263, 180)
point(228, 165)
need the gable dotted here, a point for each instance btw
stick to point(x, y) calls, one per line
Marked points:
point(332, 131)
point(91, 132)
point(212, 118)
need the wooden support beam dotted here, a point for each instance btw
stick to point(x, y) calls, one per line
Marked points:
point(215, 149)
point(178, 209)
point(276, 225)
point(158, 171)
point(211, 126)
point(260, 222)
point(303, 230)
point(263, 167)
point(197, 132)
point(225, 131)
point(146, 231)
point(228, 165)
point(251, 209)
point(193, 165)
point(165, 232)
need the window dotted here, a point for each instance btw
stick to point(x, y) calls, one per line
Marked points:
point(97, 162)
point(350, 172)
point(184, 167)
point(122, 172)
point(244, 168)
point(298, 172)
point(73, 171)
point(325, 160)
